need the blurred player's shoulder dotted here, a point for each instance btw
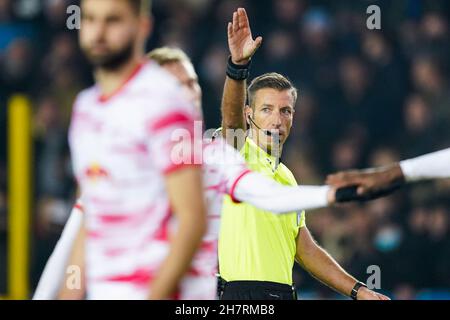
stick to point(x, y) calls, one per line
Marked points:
point(150, 90)
point(86, 95)
point(219, 152)
point(158, 87)
point(155, 81)
point(148, 79)
point(153, 76)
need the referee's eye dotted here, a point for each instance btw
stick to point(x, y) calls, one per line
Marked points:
point(287, 111)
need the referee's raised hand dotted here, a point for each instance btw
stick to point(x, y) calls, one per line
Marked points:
point(240, 40)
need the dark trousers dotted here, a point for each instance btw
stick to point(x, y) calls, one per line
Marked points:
point(256, 290)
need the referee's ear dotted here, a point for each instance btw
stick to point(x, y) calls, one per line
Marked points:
point(248, 112)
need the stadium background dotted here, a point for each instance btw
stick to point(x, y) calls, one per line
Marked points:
point(367, 98)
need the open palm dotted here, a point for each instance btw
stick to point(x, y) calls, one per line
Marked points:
point(240, 40)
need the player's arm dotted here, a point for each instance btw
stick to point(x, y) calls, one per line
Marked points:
point(434, 165)
point(185, 191)
point(369, 183)
point(242, 47)
point(376, 182)
point(244, 185)
point(55, 269)
point(324, 268)
point(73, 286)
point(268, 195)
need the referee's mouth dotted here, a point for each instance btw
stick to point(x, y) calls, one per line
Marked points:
point(277, 132)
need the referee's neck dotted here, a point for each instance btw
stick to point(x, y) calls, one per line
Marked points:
point(272, 152)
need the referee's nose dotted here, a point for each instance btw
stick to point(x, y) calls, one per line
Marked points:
point(275, 120)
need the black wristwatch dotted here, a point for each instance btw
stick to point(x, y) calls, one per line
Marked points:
point(236, 71)
point(355, 289)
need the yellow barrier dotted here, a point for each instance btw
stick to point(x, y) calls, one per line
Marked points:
point(19, 196)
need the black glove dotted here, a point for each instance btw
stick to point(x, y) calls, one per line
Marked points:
point(347, 194)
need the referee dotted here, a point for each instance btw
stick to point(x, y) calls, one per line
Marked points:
point(257, 250)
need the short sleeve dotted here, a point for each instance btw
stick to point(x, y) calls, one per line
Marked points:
point(301, 219)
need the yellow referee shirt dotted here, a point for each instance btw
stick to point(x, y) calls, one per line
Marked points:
point(255, 244)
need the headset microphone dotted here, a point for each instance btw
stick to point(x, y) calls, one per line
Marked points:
point(269, 134)
point(266, 132)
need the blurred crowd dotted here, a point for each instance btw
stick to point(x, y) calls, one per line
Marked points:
point(366, 98)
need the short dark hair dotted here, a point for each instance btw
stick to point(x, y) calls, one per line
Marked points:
point(271, 80)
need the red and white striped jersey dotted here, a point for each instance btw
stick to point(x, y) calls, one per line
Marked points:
point(122, 147)
point(223, 167)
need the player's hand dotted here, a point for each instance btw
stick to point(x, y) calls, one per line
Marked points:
point(366, 181)
point(370, 183)
point(367, 294)
point(240, 40)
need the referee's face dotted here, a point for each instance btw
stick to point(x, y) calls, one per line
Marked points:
point(273, 110)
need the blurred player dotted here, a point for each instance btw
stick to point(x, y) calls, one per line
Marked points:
point(225, 172)
point(376, 182)
point(142, 225)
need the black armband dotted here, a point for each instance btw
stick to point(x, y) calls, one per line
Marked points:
point(236, 71)
point(355, 289)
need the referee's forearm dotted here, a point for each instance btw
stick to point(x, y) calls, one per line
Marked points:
point(330, 273)
point(322, 266)
point(233, 103)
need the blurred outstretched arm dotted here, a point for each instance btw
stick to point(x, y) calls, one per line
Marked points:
point(377, 182)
